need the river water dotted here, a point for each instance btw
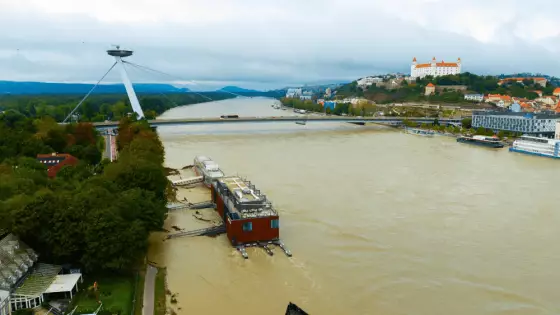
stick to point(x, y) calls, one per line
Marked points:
point(379, 222)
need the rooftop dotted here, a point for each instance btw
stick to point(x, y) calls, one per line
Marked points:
point(38, 281)
point(15, 260)
point(521, 115)
point(248, 201)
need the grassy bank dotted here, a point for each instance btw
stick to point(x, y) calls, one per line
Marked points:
point(115, 292)
point(160, 292)
point(139, 295)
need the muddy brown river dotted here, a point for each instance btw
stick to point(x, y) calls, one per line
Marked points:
point(379, 222)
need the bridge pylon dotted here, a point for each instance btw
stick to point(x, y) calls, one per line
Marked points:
point(119, 54)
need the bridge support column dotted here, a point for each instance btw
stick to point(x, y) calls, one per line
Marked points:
point(129, 89)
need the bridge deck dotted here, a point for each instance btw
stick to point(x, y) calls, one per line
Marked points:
point(192, 121)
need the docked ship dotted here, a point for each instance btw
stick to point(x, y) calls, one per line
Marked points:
point(537, 146)
point(208, 169)
point(248, 215)
point(419, 132)
point(491, 142)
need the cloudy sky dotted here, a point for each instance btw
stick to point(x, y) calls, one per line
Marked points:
point(272, 43)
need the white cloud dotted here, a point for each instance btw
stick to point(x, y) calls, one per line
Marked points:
point(274, 42)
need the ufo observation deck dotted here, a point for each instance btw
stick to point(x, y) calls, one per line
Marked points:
point(119, 53)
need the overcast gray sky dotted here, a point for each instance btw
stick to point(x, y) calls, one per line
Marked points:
point(272, 43)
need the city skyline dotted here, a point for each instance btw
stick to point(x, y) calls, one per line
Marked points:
point(260, 45)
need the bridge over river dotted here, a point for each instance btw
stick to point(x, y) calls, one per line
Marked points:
point(273, 119)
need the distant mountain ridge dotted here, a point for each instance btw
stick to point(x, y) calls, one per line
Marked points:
point(236, 89)
point(37, 88)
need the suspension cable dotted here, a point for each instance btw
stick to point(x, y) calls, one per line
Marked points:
point(90, 91)
point(176, 77)
point(139, 67)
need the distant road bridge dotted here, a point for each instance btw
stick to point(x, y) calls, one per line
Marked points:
point(309, 119)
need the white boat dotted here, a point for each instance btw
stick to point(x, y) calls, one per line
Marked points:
point(419, 132)
point(206, 167)
point(537, 146)
point(188, 181)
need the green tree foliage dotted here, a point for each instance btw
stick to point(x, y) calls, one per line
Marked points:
point(100, 107)
point(97, 215)
point(296, 103)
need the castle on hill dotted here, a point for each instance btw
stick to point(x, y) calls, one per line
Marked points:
point(434, 68)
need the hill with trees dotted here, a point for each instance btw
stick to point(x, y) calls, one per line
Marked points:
point(38, 88)
point(414, 92)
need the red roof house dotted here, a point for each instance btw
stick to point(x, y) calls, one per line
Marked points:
point(56, 161)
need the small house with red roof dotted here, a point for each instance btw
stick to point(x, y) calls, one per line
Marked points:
point(56, 161)
point(556, 92)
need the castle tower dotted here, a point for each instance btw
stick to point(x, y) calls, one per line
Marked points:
point(459, 64)
point(413, 68)
point(119, 54)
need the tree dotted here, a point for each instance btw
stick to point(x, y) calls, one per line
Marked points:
point(466, 123)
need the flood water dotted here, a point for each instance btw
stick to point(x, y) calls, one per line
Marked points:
point(379, 222)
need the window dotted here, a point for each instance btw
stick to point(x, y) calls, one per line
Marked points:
point(274, 223)
point(247, 226)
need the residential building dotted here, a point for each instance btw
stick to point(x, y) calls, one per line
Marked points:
point(474, 97)
point(27, 281)
point(56, 161)
point(556, 92)
point(499, 100)
point(5, 302)
point(557, 133)
point(367, 81)
point(539, 124)
point(536, 80)
point(306, 96)
point(293, 93)
point(548, 100)
point(430, 89)
point(434, 68)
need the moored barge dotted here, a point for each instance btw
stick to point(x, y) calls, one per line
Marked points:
point(420, 132)
point(249, 217)
point(490, 142)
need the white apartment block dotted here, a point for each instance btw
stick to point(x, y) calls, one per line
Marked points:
point(367, 81)
point(474, 97)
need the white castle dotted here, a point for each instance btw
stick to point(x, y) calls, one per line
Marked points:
point(434, 68)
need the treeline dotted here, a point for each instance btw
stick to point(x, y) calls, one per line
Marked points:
point(101, 107)
point(96, 215)
point(361, 109)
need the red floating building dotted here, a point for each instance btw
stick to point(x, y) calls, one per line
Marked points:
point(248, 215)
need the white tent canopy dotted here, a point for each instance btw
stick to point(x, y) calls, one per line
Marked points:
point(64, 283)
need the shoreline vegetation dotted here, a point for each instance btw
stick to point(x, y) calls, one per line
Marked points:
point(95, 216)
point(466, 129)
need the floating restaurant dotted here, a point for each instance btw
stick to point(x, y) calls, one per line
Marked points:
point(248, 215)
